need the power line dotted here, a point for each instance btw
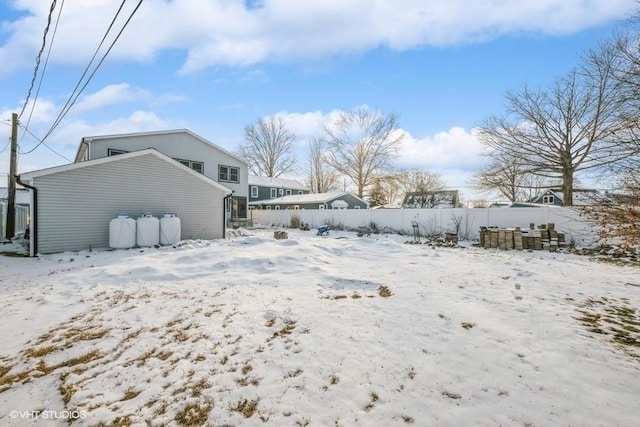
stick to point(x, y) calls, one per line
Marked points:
point(44, 68)
point(73, 97)
point(38, 57)
point(43, 143)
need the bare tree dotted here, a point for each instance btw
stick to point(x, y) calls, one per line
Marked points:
point(386, 189)
point(361, 144)
point(321, 177)
point(415, 180)
point(508, 177)
point(425, 189)
point(268, 147)
point(568, 129)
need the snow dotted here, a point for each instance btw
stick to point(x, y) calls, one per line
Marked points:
point(257, 331)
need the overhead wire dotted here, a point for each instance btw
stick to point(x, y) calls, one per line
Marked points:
point(39, 57)
point(75, 94)
point(43, 143)
point(44, 68)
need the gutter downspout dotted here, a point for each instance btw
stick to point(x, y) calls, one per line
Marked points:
point(224, 214)
point(33, 244)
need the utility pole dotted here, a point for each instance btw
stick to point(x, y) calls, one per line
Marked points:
point(13, 169)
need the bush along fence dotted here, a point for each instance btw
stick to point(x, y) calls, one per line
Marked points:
point(545, 237)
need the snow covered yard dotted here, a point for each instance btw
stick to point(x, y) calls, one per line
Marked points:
point(319, 331)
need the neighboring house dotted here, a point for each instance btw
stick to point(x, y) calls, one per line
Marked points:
point(581, 197)
point(182, 145)
point(263, 188)
point(441, 199)
point(343, 200)
point(73, 204)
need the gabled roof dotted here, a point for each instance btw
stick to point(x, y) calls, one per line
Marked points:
point(120, 157)
point(88, 139)
point(581, 196)
point(263, 181)
point(305, 198)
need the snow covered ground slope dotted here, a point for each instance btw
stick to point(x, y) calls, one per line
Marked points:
point(319, 331)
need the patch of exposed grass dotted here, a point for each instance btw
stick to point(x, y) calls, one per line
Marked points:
point(451, 395)
point(294, 373)
point(130, 393)
point(374, 398)
point(270, 322)
point(194, 414)
point(615, 319)
point(245, 407)
point(384, 291)
point(39, 351)
point(468, 325)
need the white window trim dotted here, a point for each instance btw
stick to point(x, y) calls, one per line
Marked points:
point(321, 206)
point(277, 207)
point(115, 152)
point(228, 170)
point(254, 192)
point(288, 192)
point(273, 193)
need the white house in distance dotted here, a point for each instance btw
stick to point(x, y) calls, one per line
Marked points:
point(169, 171)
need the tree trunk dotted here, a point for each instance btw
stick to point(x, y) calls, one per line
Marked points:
point(567, 187)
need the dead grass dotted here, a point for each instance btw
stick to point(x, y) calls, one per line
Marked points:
point(270, 322)
point(616, 319)
point(34, 352)
point(245, 407)
point(131, 393)
point(451, 395)
point(195, 413)
point(467, 325)
point(384, 291)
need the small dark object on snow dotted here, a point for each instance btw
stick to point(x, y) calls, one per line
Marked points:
point(323, 230)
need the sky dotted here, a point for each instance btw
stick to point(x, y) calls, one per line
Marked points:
point(215, 67)
point(330, 331)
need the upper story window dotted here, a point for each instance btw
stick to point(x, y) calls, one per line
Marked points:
point(281, 191)
point(196, 166)
point(288, 192)
point(548, 199)
point(274, 193)
point(228, 174)
point(254, 192)
point(114, 152)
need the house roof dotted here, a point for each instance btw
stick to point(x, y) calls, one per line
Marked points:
point(146, 152)
point(305, 198)
point(88, 139)
point(264, 181)
point(581, 196)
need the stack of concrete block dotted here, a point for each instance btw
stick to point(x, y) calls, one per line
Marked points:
point(543, 237)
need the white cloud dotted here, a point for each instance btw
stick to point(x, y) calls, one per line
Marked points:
point(110, 95)
point(229, 32)
point(456, 148)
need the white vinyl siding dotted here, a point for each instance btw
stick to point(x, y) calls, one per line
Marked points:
point(75, 206)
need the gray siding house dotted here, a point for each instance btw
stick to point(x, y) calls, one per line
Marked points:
point(187, 148)
point(581, 197)
point(343, 200)
point(263, 188)
point(73, 204)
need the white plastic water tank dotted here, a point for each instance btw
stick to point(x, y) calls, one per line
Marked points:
point(148, 230)
point(169, 229)
point(122, 232)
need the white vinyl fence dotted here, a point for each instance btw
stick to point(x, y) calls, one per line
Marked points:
point(432, 222)
point(22, 218)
